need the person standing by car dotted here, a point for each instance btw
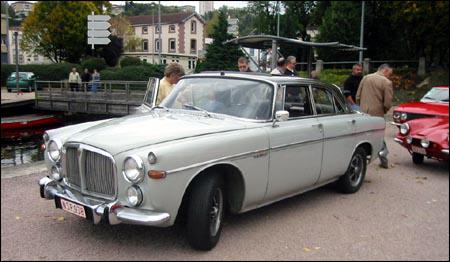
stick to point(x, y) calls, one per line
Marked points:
point(281, 67)
point(374, 96)
point(172, 74)
point(290, 66)
point(95, 81)
point(74, 79)
point(351, 85)
point(243, 65)
point(86, 78)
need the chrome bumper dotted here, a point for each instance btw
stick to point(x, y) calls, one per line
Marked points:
point(111, 212)
point(445, 151)
point(395, 124)
point(398, 140)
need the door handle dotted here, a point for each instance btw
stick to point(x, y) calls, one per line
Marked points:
point(320, 126)
point(353, 121)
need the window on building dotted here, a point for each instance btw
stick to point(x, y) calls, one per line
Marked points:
point(189, 64)
point(172, 45)
point(193, 45)
point(164, 61)
point(145, 45)
point(193, 26)
point(171, 28)
point(157, 45)
point(144, 30)
point(157, 29)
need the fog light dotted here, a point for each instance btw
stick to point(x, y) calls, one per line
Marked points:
point(425, 143)
point(409, 140)
point(134, 196)
point(56, 173)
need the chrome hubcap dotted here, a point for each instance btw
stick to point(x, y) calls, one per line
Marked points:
point(355, 170)
point(216, 212)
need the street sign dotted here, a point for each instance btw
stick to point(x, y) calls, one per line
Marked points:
point(98, 29)
point(98, 25)
point(98, 41)
point(98, 33)
point(98, 17)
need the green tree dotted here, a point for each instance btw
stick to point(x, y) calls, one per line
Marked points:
point(220, 56)
point(58, 29)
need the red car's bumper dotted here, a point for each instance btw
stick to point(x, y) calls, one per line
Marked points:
point(414, 146)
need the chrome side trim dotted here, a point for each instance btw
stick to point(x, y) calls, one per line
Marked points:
point(398, 140)
point(285, 146)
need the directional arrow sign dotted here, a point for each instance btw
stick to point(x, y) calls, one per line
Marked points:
point(98, 41)
point(98, 33)
point(98, 17)
point(98, 25)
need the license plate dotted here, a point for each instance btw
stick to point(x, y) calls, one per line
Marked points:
point(419, 150)
point(73, 208)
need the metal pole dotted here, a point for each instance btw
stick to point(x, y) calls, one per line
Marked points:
point(160, 29)
point(274, 55)
point(17, 60)
point(361, 36)
point(278, 18)
point(153, 33)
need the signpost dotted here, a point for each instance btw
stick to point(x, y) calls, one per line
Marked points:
point(98, 29)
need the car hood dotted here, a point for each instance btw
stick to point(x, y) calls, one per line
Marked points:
point(428, 108)
point(429, 127)
point(134, 131)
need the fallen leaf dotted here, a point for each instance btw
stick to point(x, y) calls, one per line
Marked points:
point(18, 218)
point(367, 181)
point(428, 202)
point(372, 192)
point(316, 248)
point(434, 200)
point(60, 218)
point(307, 249)
point(336, 217)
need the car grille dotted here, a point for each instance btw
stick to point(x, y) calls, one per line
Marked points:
point(97, 176)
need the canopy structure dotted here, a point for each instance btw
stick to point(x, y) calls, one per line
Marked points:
point(270, 41)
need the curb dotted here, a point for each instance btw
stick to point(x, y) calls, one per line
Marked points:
point(23, 170)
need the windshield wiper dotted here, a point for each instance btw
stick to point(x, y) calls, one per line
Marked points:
point(160, 107)
point(197, 108)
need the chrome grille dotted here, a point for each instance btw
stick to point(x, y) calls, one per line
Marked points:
point(97, 176)
point(99, 173)
point(72, 167)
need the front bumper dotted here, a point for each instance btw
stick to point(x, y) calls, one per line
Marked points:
point(98, 211)
point(442, 154)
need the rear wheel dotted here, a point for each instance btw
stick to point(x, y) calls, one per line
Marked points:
point(417, 158)
point(352, 180)
point(205, 212)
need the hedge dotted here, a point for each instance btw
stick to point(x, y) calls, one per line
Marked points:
point(133, 73)
point(94, 63)
point(130, 61)
point(50, 72)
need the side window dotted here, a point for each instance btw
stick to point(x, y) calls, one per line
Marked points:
point(339, 107)
point(323, 101)
point(296, 101)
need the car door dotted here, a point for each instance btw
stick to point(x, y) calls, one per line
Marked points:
point(338, 126)
point(295, 146)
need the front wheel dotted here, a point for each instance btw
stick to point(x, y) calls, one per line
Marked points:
point(417, 158)
point(205, 212)
point(352, 180)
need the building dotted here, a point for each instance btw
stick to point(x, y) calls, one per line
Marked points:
point(5, 42)
point(25, 58)
point(205, 7)
point(233, 27)
point(187, 8)
point(117, 9)
point(181, 38)
point(22, 8)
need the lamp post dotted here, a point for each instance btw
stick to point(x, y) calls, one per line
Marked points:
point(17, 60)
point(361, 36)
point(159, 28)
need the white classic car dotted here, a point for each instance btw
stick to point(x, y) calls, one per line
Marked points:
point(220, 142)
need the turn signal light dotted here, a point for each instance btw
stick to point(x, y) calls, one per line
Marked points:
point(157, 174)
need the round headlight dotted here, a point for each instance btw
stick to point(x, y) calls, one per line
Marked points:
point(54, 150)
point(404, 129)
point(56, 173)
point(409, 140)
point(396, 115)
point(425, 143)
point(134, 196)
point(403, 116)
point(133, 168)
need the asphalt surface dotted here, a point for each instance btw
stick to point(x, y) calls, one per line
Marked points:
point(399, 214)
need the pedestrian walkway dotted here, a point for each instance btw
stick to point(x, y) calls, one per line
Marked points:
point(14, 99)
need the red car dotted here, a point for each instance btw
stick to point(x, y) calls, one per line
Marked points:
point(423, 126)
point(433, 104)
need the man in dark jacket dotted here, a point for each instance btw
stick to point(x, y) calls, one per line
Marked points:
point(290, 66)
point(351, 84)
point(243, 65)
point(85, 78)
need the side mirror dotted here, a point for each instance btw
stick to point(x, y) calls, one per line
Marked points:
point(281, 116)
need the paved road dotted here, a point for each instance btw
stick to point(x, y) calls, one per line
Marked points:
point(399, 214)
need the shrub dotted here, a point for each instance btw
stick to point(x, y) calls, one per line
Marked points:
point(130, 61)
point(133, 73)
point(94, 63)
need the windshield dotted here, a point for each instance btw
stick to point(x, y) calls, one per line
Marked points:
point(234, 97)
point(436, 95)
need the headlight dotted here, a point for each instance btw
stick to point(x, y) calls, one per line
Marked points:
point(56, 173)
point(404, 129)
point(133, 168)
point(134, 196)
point(425, 143)
point(46, 137)
point(403, 116)
point(152, 158)
point(409, 140)
point(54, 150)
point(396, 115)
